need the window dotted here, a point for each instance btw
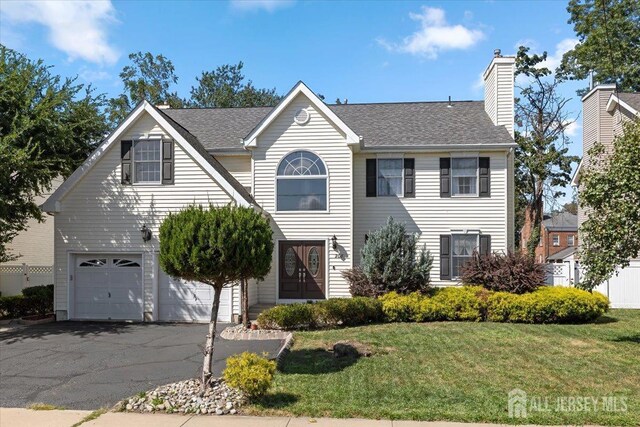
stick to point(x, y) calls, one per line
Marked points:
point(571, 240)
point(146, 160)
point(301, 183)
point(464, 174)
point(556, 240)
point(390, 177)
point(463, 246)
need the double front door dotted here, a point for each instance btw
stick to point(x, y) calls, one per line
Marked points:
point(302, 269)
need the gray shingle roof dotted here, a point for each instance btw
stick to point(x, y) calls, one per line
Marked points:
point(382, 125)
point(562, 254)
point(631, 98)
point(562, 221)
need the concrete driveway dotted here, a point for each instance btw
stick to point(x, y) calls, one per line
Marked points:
point(90, 365)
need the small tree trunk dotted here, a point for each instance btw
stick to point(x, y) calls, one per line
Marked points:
point(244, 299)
point(211, 334)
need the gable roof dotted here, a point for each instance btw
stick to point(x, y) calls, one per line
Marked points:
point(628, 100)
point(188, 142)
point(563, 254)
point(397, 124)
point(300, 88)
point(561, 221)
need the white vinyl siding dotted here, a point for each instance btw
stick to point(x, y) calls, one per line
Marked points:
point(100, 215)
point(428, 214)
point(239, 167)
point(321, 137)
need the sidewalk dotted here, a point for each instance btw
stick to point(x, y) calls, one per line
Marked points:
point(28, 418)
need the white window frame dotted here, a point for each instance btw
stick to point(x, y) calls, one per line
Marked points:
point(278, 177)
point(571, 240)
point(401, 176)
point(453, 237)
point(555, 237)
point(477, 192)
point(133, 161)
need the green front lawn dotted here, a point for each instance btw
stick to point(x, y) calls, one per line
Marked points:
point(462, 371)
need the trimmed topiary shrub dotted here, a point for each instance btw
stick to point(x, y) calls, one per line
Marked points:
point(548, 305)
point(391, 261)
point(38, 299)
point(11, 307)
point(514, 272)
point(455, 303)
point(401, 308)
point(348, 311)
point(288, 316)
point(249, 373)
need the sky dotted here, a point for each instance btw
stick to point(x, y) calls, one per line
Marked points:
point(362, 51)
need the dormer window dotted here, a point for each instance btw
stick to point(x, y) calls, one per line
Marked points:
point(301, 183)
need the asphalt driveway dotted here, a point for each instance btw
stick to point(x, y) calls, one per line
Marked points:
point(90, 365)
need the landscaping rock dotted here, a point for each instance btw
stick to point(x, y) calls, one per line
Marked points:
point(186, 397)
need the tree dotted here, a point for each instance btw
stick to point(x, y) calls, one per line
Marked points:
point(224, 87)
point(215, 246)
point(147, 77)
point(47, 128)
point(392, 262)
point(610, 192)
point(541, 160)
point(609, 42)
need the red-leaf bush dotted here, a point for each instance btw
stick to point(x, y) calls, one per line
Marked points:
point(514, 272)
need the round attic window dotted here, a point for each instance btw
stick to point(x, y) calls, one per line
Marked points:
point(302, 116)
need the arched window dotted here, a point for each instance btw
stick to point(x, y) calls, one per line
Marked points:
point(301, 183)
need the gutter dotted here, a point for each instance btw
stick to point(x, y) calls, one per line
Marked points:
point(439, 147)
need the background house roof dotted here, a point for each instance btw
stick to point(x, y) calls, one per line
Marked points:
point(562, 221)
point(631, 98)
point(416, 124)
point(563, 254)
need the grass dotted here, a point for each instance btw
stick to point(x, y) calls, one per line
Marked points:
point(463, 371)
point(44, 407)
point(92, 416)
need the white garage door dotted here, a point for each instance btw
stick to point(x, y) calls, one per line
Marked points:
point(623, 290)
point(108, 287)
point(182, 301)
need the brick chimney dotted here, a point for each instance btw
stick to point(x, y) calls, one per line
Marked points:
point(499, 90)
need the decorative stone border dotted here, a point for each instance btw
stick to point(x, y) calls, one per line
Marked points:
point(238, 332)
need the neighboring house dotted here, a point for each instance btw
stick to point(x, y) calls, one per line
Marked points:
point(33, 249)
point(325, 175)
point(559, 234)
point(604, 112)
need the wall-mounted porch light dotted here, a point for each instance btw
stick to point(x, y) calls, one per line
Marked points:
point(334, 242)
point(146, 233)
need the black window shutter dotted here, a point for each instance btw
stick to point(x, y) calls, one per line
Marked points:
point(167, 162)
point(445, 257)
point(125, 162)
point(484, 174)
point(485, 244)
point(445, 177)
point(371, 177)
point(409, 177)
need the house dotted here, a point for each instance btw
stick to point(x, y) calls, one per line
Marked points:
point(559, 236)
point(325, 175)
point(33, 249)
point(604, 112)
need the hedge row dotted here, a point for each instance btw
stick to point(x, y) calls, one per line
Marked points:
point(35, 300)
point(468, 303)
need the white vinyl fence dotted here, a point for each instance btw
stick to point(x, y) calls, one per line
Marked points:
point(623, 290)
point(14, 278)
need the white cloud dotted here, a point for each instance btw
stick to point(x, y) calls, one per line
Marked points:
point(434, 36)
point(268, 5)
point(553, 60)
point(78, 28)
point(572, 129)
point(526, 42)
point(478, 85)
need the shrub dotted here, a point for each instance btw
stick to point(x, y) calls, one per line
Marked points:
point(456, 303)
point(11, 306)
point(547, 305)
point(288, 316)
point(249, 373)
point(38, 299)
point(514, 272)
point(391, 262)
point(348, 311)
point(401, 308)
